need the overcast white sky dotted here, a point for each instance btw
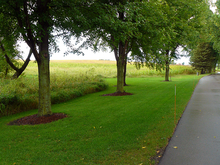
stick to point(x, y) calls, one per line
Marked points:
point(89, 54)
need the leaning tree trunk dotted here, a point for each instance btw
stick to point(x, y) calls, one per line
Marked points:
point(18, 71)
point(44, 106)
point(21, 70)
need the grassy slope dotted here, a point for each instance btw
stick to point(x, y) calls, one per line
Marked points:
point(101, 130)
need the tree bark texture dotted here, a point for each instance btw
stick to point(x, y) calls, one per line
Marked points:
point(125, 71)
point(120, 67)
point(167, 66)
point(120, 76)
point(44, 106)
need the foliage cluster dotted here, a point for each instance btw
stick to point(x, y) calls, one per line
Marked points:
point(22, 94)
point(204, 58)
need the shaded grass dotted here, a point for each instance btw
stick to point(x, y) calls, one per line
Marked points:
point(101, 130)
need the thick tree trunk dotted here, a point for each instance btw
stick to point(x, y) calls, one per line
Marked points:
point(44, 107)
point(167, 72)
point(120, 75)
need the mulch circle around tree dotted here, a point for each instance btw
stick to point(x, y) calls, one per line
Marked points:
point(34, 119)
point(118, 94)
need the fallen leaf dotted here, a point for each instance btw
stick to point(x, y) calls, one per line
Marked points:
point(143, 147)
point(175, 147)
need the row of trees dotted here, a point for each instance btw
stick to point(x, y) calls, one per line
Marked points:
point(205, 51)
point(150, 31)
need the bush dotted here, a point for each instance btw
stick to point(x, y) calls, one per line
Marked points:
point(22, 94)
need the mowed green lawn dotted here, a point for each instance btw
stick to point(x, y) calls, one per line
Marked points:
point(102, 129)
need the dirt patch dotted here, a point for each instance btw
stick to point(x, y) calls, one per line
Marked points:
point(34, 119)
point(118, 94)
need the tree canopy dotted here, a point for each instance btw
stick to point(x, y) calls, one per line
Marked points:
point(184, 21)
point(126, 27)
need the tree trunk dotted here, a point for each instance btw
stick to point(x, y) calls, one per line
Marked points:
point(120, 75)
point(44, 107)
point(120, 68)
point(202, 71)
point(125, 71)
point(167, 66)
point(21, 70)
point(6, 71)
point(167, 72)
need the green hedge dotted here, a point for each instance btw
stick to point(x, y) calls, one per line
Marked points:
point(11, 103)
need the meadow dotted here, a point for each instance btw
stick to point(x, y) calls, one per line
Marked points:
point(101, 129)
point(105, 69)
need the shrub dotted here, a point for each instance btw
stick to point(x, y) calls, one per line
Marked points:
point(22, 94)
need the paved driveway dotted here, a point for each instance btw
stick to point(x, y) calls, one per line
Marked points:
point(196, 140)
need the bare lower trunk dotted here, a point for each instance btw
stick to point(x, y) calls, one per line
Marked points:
point(125, 71)
point(120, 75)
point(44, 107)
point(167, 66)
point(167, 72)
point(202, 71)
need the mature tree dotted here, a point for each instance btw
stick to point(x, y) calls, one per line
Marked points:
point(38, 22)
point(185, 21)
point(204, 58)
point(126, 27)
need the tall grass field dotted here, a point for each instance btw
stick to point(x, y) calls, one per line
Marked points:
point(99, 129)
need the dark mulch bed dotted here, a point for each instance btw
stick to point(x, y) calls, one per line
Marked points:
point(118, 94)
point(34, 119)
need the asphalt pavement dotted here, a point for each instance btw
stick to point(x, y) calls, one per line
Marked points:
point(196, 140)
